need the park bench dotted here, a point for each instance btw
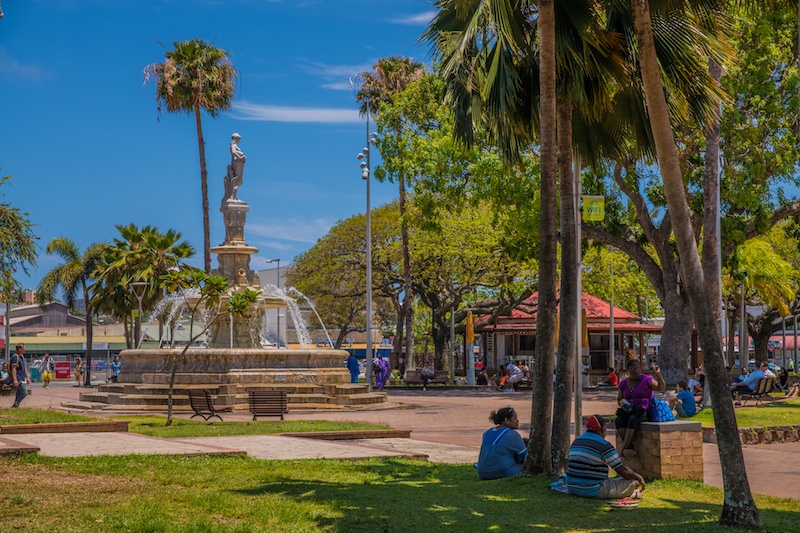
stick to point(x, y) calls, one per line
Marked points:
point(763, 389)
point(267, 403)
point(203, 405)
point(5, 390)
point(526, 383)
point(440, 377)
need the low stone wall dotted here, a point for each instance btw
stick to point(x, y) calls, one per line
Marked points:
point(668, 449)
point(759, 434)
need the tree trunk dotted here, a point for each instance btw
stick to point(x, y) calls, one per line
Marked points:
point(89, 337)
point(676, 337)
point(567, 345)
point(397, 347)
point(738, 506)
point(711, 250)
point(201, 145)
point(539, 459)
point(408, 295)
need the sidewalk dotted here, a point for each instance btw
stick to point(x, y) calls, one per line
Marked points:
point(446, 426)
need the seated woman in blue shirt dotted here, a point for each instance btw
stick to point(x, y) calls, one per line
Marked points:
point(502, 450)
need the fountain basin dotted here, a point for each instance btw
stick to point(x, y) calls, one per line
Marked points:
point(236, 365)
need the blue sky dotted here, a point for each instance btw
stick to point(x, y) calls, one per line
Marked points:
point(81, 136)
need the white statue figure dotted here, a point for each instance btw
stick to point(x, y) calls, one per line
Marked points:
point(235, 175)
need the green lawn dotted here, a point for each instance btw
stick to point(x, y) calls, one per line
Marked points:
point(769, 414)
point(154, 426)
point(240, 494)
point(10, 417)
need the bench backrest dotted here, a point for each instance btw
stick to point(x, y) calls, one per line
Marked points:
point(200, 399)
point(441, 374)
point(413, 375)
point(263, 401)
point(764, 385)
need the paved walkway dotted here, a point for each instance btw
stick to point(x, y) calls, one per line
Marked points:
point(446, 426)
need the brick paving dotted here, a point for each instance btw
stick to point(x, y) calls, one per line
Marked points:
point(446, 426)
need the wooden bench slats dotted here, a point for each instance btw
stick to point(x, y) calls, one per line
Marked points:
point(203, 406)
point(267, 403)
point(763, 389)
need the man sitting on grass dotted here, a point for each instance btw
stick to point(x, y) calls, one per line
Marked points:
point(590, 456)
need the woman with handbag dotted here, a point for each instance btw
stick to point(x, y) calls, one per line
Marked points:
point(633, 399)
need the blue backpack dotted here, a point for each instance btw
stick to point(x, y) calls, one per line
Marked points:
point(659, 411)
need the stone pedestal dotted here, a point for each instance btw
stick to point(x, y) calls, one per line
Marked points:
point(668, 449)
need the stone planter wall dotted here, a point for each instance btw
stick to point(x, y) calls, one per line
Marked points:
point(759, 434)
point(668, 449)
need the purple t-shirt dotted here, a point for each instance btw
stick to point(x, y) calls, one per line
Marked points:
point(640, 394)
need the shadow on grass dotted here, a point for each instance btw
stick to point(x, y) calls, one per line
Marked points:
point(398, 495)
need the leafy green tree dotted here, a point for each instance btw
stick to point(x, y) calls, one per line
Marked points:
point(332, 272)
point(201, 291)
point(17, 246)
point(631, 288)
point(195, 76)
point(389, 77)
point(75, 276)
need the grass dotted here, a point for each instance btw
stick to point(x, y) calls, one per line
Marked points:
point(10, 417)
point(241, 494)
point(154, 427)
point(769, 414)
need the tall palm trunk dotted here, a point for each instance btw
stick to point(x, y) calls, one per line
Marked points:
point(201, 145)
point(408, 295)
point(711, 212)
point(567, 345)
point(89, 336)
point(738, 506)
point(539, 460)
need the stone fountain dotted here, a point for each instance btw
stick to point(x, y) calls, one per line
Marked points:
point(234, 362)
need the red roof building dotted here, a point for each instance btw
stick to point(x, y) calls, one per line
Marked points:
point(513, 338)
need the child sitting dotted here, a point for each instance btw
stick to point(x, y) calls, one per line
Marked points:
point(684, 402)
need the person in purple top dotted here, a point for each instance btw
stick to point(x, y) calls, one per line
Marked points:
point(633, 398)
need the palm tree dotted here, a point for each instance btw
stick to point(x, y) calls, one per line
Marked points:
point(389, 77)
point(74, 276)
point(738, 506)
point(196, 75)
point(143, 254)
point(498, 73)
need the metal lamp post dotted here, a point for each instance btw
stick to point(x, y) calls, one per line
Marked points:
point(364, 156)
point(138, 288)
point(278, 284)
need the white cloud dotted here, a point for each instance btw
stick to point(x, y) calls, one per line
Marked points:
point(422, 19)
point(18, 71)
point(292, 229)
point(271, 113)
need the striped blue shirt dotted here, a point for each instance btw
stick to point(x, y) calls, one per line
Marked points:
point(590, 456)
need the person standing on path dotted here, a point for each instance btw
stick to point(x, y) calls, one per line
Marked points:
point(382, 372)
point(116, 368)
point(78, 369)
point(47, 370)
point(19, 375)
point(352, 366)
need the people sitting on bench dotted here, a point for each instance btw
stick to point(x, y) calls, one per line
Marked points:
point(749, 385)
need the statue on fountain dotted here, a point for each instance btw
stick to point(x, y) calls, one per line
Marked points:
point(235, 176)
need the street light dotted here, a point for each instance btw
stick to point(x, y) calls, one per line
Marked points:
point(365, 169)
point(278, 284)
point(138, 288)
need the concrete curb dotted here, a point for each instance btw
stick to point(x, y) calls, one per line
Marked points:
point(65, 427)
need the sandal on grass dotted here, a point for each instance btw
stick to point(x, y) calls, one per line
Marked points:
point(624, 503)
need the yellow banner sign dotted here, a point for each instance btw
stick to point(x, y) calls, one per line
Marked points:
point(594, 208)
